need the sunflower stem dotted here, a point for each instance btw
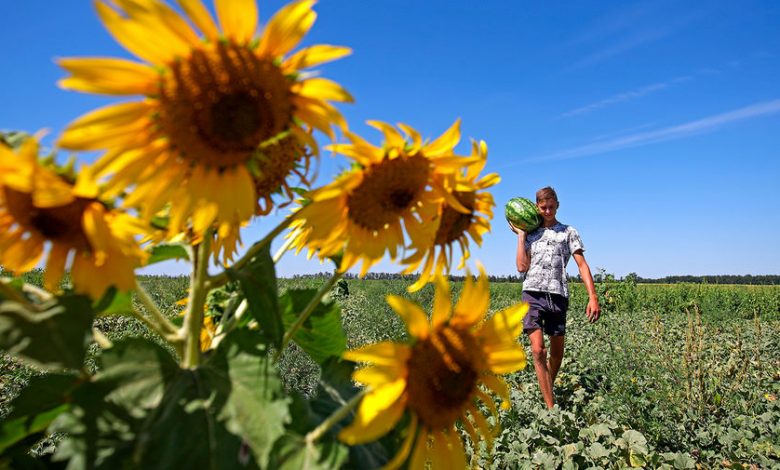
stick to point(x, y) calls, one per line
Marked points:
point(282, 250)
point(193, 319)
point(306, 313)
point(335, 418)
point(172, 338)
point(222, 278)
point(157, 316)
point(228, 325)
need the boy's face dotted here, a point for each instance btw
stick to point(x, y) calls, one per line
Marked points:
point(548, 208)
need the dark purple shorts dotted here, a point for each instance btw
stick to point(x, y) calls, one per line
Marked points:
point(547, 312)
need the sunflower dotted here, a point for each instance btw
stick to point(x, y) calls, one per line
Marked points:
point(451, 365)
point(396, 186)
point(455, 225)
point(38, 206)
point(225, 115)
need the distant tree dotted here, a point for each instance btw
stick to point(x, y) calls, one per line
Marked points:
point(631, 277)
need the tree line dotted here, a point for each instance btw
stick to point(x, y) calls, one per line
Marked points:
point(765, 279)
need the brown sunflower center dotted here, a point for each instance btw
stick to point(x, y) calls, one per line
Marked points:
point(219, 104)
point(388, 189)
point(59, 224)
point(275, 163)
point(442, 376)
point(453, 223)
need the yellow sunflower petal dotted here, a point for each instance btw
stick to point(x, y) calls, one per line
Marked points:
point(104, 127)
point(453, 201)
point(238, 19)
point(446, 142)
point(161, 16)
point(506, 324)
point(506, 360)
point(417, 141)
point(378, 413)
point(24, 254)
point(413, 316)
point(392, 136)
point(441, 457)
point(315, 55)
point(55, 266)
point(457, 452)
point(201, 17)
point(442, 305)
point(498, 386)
point(323, 89)
point(86, 185)
point(109, 76)
point(421, 453)
point(363, 155)
point(97, 231)
point(488, 180)
point(471, 431)
point(50, 190)
point(478, 150)
point(481, 424)
point(425, 275)
point(376, 376)
point(287, 28)
point(406, 446)
point(142, 39)
point(474, 300)
point(384, 353)
point(488, 401)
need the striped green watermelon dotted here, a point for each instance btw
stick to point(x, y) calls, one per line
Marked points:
point(522, 213)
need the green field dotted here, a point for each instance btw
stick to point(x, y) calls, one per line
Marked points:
point(673, 375)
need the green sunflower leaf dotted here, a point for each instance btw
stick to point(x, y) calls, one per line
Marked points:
point(335, 389)
point(169, 251)
point(258, 283)
point(114, 302)
point(322, 335)
point(55, 337)
point(43, 399)
point(143, 411)
point(292, 452)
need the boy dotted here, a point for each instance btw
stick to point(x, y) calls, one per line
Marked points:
point(543, 254)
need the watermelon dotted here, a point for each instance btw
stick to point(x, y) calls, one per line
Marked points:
point(523, 214)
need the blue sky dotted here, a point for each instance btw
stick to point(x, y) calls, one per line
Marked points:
point(658, 122)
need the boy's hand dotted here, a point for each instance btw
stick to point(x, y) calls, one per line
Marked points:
point(593, 311)
point(513, 228)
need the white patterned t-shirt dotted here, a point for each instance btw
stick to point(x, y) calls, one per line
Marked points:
point(550, 249)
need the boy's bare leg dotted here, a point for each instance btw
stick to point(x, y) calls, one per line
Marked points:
point(556, 356)
point(539, 353)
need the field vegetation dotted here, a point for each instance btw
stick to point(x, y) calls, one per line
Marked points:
point(672, 376)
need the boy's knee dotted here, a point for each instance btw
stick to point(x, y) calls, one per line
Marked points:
point(539, 353)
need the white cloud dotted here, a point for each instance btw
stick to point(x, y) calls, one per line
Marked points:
point(698, 126)
point(625, 97)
